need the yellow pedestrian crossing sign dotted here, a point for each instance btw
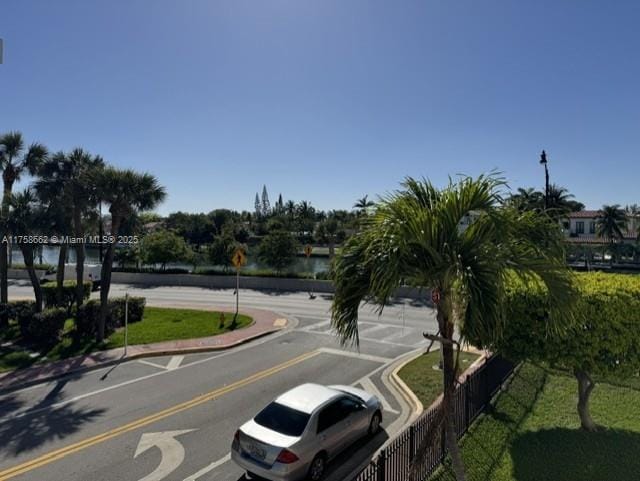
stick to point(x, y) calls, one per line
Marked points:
point(239, 258)
point(307, 250)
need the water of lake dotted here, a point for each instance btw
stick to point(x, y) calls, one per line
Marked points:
point(50, 256)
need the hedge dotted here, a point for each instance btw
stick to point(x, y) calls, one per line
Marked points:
point(15, 309)
point(604, 339)
point(88, 314)
point(43, 327)
point(49, 293)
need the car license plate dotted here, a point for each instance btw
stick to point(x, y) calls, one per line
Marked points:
point(257, 452)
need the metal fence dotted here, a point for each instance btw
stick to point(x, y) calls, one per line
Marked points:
point(471, 398)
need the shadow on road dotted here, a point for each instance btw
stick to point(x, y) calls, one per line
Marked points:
point(38, 427)
point(359, 453)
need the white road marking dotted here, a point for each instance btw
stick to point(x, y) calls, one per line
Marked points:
point(376, 327)
point(30, 412)
point(369, 339)
point(153, 364)
point(355, 355)
point(368, 386)
point(171, 449)
point(315, 326)
point(206, 469)
point(175, 362)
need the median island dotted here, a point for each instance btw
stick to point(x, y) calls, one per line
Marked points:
point(22, 343)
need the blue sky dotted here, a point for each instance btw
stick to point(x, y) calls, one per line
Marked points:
point(329, 100)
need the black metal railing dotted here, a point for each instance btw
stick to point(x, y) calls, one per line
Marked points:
point(472, 397)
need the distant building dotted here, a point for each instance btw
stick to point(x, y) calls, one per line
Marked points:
point(580, 228)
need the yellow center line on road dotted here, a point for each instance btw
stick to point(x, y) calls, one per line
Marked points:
point(203, 398)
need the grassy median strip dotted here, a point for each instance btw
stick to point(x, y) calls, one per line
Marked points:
point(424, 380)
point(157, 325)
point(533, 433)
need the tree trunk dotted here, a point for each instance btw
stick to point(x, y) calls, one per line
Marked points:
point(585, 386)
point(449, 375)
point(27, 253)
point(77, 227)
point(62, 257)
point(4, 231)
point(332, 250)
point(105, 278)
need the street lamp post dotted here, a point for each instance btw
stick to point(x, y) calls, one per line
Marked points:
point(543, 161)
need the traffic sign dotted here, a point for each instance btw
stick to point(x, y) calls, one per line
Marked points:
point(307, 250)
point(239, 258)
point(435, 296)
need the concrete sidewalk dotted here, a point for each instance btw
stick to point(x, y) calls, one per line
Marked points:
point(264, 323)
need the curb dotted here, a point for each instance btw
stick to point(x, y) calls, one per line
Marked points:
point(139, 355)
point(405, 390)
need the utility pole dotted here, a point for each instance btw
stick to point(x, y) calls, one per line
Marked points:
point(100, 233)
point(543, 161)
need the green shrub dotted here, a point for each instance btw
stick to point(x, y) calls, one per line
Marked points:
point(136, 309)
point(43, 327)
point(15, 309)
point(88, 314)
point(603, 340)
point(49, 294)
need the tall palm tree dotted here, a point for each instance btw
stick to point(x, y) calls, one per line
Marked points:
point(415, 235)
point(126, 192)
point(70, 177)
point(25, 219)
point(611, 222)
point(363, 204)
point(57, 220)
point(15, 160)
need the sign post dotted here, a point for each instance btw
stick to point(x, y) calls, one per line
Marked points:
point(238, 259)
point(126, 322)
point(307, 252)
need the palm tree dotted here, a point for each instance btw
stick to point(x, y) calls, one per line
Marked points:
point(126, 192)
point(610, 224)
point(69, 177)
point(57, 220)
point(527, 199)
point(25, 219)
point(290, 209)
point(561, 202)
point(415, 235)
point(363, 204)
point(15, 160)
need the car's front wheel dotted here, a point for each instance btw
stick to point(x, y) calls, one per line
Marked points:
point(374, 424)
point(317, 468)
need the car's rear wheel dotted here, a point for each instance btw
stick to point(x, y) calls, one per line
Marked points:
point(374, 424)
point(317, 468)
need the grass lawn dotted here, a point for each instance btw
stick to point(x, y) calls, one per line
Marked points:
point(158, 324)
point(534, 434)
point(425, 381)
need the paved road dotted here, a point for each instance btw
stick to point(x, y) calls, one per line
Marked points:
point(90, 427)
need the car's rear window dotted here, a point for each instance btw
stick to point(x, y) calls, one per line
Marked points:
point(283, 419)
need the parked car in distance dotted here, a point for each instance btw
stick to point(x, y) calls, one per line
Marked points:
point(297, 434)
point(92, 272)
